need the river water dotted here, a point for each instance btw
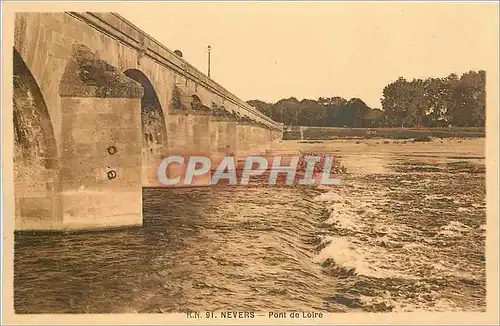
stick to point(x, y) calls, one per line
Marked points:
point(403, 232)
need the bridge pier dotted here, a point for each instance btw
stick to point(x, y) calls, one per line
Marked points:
point(101, 163)
point(101, 138)
point(252, 139)
point(190, 135)
point(224, 139)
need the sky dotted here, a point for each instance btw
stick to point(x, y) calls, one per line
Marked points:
point(269, 51)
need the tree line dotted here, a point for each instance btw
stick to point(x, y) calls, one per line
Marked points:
point(431, 102)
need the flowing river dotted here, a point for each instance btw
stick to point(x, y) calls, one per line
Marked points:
point(404, 231)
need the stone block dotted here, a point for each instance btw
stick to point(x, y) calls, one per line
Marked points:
point(101, 209)
point(35, 208)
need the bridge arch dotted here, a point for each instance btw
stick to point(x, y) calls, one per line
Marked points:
point(36, 161)
point(152, 118)
point(196, 102)
point(154, 130)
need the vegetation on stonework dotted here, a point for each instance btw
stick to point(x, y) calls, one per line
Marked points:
point(431, 102)
point(88, 70)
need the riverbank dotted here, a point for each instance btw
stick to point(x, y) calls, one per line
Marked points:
point(325, 133)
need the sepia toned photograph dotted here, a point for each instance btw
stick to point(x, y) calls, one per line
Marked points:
point(242, 162)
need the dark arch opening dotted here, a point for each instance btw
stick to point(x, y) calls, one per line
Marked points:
point(154, 130)
point(196, 103)
point(36, 164)
point(149, 100)
point(152, 118)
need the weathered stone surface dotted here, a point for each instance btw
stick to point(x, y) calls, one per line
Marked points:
point(86, 163)
point(88, 76)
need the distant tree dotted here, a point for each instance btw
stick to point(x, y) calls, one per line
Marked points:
point(352, 113)
point(288, 111)
point(263, 107)
point(311, 113)
point(468, 99)
point(421, 102)
point(333, 106)
point(395, 102)
point(417, 103)
point(436, 110)
point(374, 118)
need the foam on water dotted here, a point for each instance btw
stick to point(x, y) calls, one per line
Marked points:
point(453, 229)
point(405, 250)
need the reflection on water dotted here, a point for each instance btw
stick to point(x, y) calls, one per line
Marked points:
point(406, 237)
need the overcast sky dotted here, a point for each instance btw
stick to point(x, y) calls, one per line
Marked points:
point(270, 51)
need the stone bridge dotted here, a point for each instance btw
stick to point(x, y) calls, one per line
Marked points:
point(97, 104)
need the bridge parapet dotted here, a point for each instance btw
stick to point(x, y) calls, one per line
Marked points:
point(126, 32)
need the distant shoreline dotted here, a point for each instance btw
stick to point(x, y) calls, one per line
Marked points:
point(326, 133)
